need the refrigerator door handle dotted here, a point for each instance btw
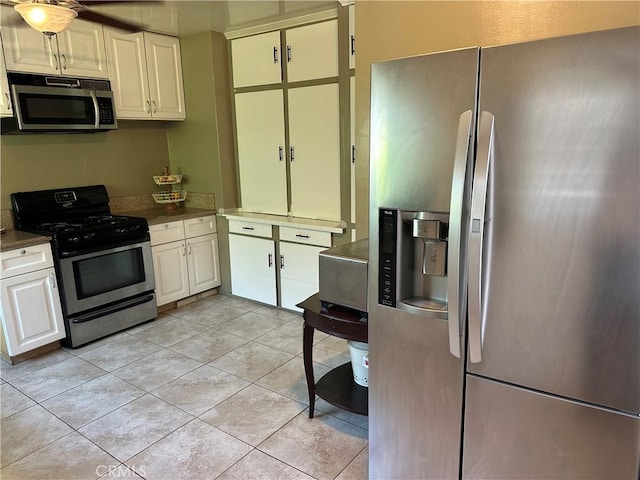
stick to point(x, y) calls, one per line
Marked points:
point(479, 218)
point(454, 287)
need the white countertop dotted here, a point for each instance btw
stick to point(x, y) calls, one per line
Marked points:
point(333, 226)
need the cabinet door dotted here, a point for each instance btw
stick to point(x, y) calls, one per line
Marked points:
point(312, 51)
point(256, 60)
point(253, 268)
point(260, 132)
point(31, 313)
point(315, 143)
point(352, 36)
point(352, 110)
point(27, 50)
point(128, 73)
point(170, 272)
point(82, 51)
point(299, 273)
point(164, 65)
point(5, 95)
point(203, 264)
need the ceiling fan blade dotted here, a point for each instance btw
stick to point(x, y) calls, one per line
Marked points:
point(110, 21)
point(112, 2)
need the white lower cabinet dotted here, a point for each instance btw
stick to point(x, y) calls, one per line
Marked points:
point(298, 273)
point(30, 308)
point(185, 258)
point(255, 270)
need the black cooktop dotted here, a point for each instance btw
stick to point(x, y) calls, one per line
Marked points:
point(78, 219)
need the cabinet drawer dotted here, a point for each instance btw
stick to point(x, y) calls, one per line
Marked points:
point(250, 228)
point(25, 260)
point(195, 227)
point(166, 232)
point(302, 235)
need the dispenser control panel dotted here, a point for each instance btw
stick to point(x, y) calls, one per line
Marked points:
point(388, 253)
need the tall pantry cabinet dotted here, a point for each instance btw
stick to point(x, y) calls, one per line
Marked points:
point(287, 121)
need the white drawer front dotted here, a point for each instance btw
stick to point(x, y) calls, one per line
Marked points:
point(25, 260)
point(302, 235)
point(166, 232)
point(250, 228)
point(195, 227)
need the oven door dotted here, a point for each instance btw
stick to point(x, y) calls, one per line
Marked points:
point(96, 279)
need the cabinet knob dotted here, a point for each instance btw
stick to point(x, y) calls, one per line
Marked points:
point(23, 252)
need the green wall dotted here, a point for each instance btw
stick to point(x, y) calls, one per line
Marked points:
point(124, 160)
point(201, 148)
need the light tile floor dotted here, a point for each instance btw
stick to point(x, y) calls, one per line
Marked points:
point(212, 390)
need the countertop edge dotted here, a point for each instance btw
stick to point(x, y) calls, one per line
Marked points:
point(332, 226)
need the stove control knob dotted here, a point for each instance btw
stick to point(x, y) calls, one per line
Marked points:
point(75, 239)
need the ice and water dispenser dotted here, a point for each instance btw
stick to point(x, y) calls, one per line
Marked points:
point(413, 261)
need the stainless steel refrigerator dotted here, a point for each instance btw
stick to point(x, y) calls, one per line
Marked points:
point(504, 281)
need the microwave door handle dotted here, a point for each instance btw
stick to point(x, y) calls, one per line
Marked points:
point(455, 255)
point(96, 108)
point(479, 218)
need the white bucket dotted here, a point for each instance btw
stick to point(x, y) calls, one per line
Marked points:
point(359, 362)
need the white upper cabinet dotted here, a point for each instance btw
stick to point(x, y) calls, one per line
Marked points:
point(145, 70)
point(81, 50)
point(164, 65)
point(352, 153)
point(352, 36)
point(78, 51)
point(261, 144)
point(256, 60)
point(312, 51)
point(315, 151)
point(5, 96)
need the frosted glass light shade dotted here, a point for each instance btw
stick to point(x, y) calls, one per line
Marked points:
point(46, 18)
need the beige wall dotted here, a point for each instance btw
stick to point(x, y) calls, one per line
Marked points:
point(392, 29)
point(124, 160)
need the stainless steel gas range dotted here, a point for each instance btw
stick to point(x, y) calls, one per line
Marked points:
point(103, 262)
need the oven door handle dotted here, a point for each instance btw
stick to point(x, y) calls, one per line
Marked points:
point(112, 309)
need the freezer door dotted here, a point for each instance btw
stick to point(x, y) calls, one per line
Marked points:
point(560, 299)
point(423, 110)
point(518, 434)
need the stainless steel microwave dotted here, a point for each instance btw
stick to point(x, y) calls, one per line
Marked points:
point(44, 103)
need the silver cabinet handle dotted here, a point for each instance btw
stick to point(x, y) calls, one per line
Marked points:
point(281, 261)
point(299, 235)
point(353, 44)
point(280, 153)
point(275, 54)
point(288, 53)
point(353, 154)
point(184, 250)
point(55, 58)
point(64, 58)
point(292, 156)
point(248, 228)
point(155, 106)
point(53, 280)
point(480, 215)
point(9, 106)
point(148, 106)
point(270, 260)
point(189, 252)
point(457, 231)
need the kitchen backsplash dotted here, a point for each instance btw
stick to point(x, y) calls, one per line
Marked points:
point(132, 203)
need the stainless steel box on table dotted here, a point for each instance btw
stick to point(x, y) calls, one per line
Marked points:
point(343, 275)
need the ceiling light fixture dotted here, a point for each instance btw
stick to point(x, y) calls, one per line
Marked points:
point(46, 18)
